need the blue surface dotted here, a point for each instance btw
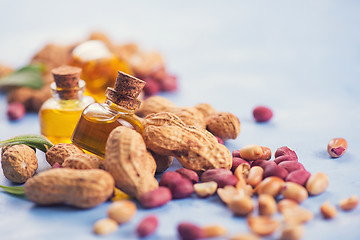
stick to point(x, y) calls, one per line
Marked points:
point(301, 59)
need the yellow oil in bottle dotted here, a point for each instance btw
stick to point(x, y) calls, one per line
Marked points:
point(57, 125)
point(59, 115)
point(99, 67)
point(97, 122)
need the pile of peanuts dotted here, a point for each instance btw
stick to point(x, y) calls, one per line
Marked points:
point(281, 185)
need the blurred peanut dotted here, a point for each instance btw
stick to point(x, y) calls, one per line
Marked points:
point(286, 151)
point(122, 211)
point(254, 176)
point(155, 198)
point(16, 111)
point(105, 226)
point(291, 166)
point(317, 183)
point(213, 231)
point(263, 225)
point(241, 205)
point(294, 191)
point(327, 210)
point(266, 155)
point(251, 152)
point(205, 189)
point(266, 204)
point(236, 161)
point(147, 226)
point(349, 203)
point(274, 170)
point(337, 147)
point(286, 203)
point(225, 125)
point(292, 232)
point(298, 176)
point(262, 114)
point(190, 231)
point(270, 185)
point(297, 215)
point(242, 171)
point(245, 236)
point(181, 188)
point(221, 176)
point(189, 174)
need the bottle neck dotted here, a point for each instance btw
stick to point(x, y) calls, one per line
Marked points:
point(71, 94)
point(118, 108)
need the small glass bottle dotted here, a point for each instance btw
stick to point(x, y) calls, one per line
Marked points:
point(99, 119)
point(99, 67)
point(58, 115)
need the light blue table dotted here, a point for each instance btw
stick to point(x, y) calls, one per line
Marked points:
point(301, 59)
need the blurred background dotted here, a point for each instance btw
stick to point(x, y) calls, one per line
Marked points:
point(302, 59)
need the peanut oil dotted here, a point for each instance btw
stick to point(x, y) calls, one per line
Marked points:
point(99, 119)
point(99, 67)
point(58, 115)
point(58, 124)
point(97, 122)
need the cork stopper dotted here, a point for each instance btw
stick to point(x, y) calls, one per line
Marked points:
point(127, 89)
point(67, 81)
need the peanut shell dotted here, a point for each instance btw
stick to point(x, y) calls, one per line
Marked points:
point(83, 189)
point(128, 161)
point(196, 149)
point(19, 163)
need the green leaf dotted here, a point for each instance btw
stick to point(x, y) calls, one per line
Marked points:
point(32, 140)
point(13, 190)
point(28, 76)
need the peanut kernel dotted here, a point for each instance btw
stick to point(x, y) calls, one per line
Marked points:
point(241, 205)
point(337, 147)
point(263, 225)
point(205, 189)
point(122, 211)
point(213, 231)
point(350, 203)
point(317, 183)
point(327, 210)
point(251, 152)
point(255, 176)
point(270, 185)
point(245, 236)
point(292, 232)
point(105, 226)
point(294, 191)
point(267, 204)
point(286, 203)
point(297, 215)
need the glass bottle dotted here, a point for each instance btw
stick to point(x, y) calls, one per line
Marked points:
point(99, 119)
point(99, 67)
point(58, 115)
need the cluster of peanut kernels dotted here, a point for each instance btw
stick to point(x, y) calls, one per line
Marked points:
point(275, 190)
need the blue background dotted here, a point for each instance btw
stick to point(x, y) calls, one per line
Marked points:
point(301, 58)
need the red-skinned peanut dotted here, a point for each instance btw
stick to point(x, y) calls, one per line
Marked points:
point(181, 188)
point(147, 226)
point(285, 151)
point(236, 162)
point(291, 166)
point(299, 176)
point(274, 170)
point(155, 198)
point(168, 178)
point(189, 174)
